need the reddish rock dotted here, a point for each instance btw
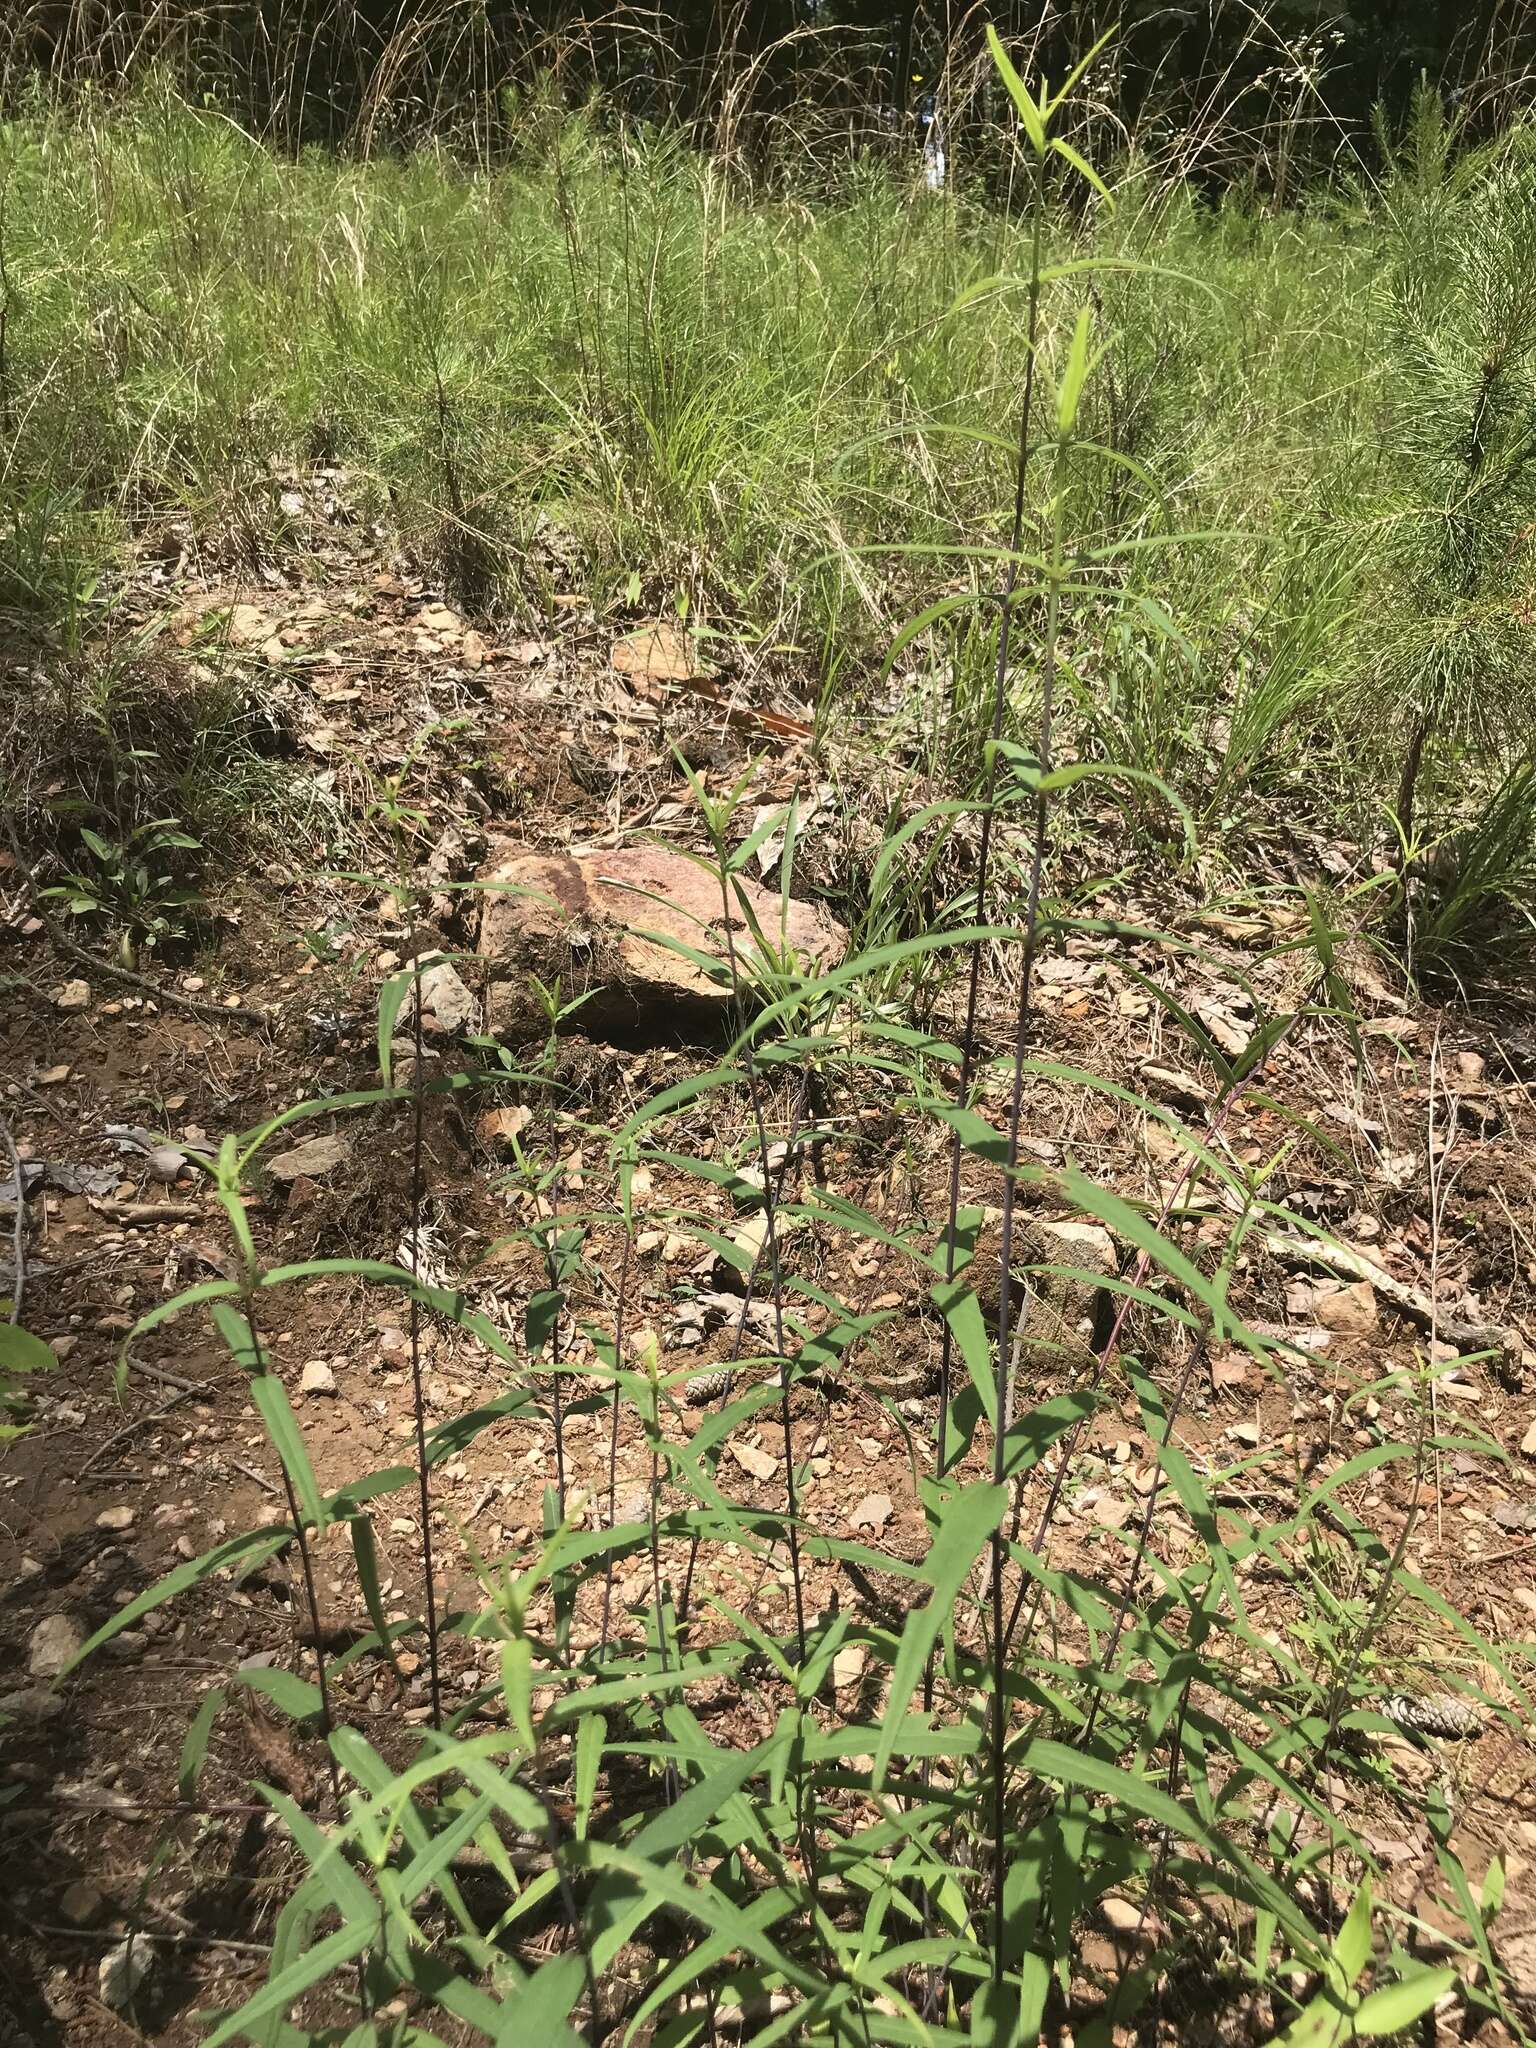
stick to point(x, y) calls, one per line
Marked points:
point(618, 927)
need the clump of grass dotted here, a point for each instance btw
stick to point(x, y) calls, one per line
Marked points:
point(1446, 639)
point(116, 763)
point(741, 395)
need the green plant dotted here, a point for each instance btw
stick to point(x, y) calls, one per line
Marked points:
point(1474, 891)
point(577, 1842)
point(132, 883)
point(1446, 644)
point(22, 1357)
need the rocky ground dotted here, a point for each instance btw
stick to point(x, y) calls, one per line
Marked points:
point(429, 756)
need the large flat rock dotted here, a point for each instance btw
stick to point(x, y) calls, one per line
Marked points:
point(619, 927)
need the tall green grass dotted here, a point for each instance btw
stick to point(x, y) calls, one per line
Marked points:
point(783, 410)
point(734, 391)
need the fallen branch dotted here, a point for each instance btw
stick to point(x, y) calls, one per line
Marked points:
point(169, 997)
point(144, 1212)
point(144, 1421)
point(1413, 1302)
point(68, 950)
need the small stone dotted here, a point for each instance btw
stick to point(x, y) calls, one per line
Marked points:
point(116, 1519)
point(1528, 1443)
point(1124, 1917)
point(446, 999)
point(248, 625)
point(1168, 1084)
point(72, 995)
point(166, 1163)
point(80, 1903)
point(636, 931)
point(1228, 1367)
point(312, 1160)
point(1110, 1511)
point(1472, 1068)
point(31, 1703)
point(473, 650)
point(61, 1347)
point(758, 1463)
point(848, 1665)
point(1351, 1311)
point(124, 1970)
point(52, 1644)
point(872, 1513)
point(317, 1378)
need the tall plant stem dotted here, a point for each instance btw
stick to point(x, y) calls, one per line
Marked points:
point(775, 1275)
point(999, 1729)
point(1109, 1351)
point(1006, 597)
point(807, 1817)
point(418, 1402)
point(989, 795)
point(621, 1306)
point(257, 1364)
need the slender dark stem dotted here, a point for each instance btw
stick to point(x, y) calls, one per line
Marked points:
point(1408, 788)
point(807, 1818)
point(790, 1154)
point(620, 1307)
point(984, 851)
point(18, 1227)
point(257, 1364)
point(968, 1036)
point(1005, 1250)
point(1143, 1536)
point(1164, 1844)
point(1110, 1349)
point(554, 1271)
point(418, 1403)
point(672, 1786)
point(776, 1278)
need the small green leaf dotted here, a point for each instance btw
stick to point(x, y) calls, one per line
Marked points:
point(22, 1353)
point(1075, 376)
point(1352, 1945)
point(591, 1734)
point(366, 1555)
point(1018, 92)
point(270, 1399)
point(517, 1685)
point(1395, 2007)
point(290, 1694)
point(1083, 168)
point(966, 1521)
point(194, 1748)
point(392, 995)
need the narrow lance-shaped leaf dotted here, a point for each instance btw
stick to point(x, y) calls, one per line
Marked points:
point(966, 1520)
point(1023, 100)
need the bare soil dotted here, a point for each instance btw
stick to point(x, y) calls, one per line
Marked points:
point(1423, 1159)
